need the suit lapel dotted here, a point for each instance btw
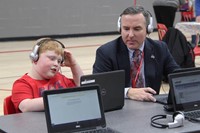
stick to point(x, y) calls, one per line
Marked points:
point(122, 57)
point(149, 62)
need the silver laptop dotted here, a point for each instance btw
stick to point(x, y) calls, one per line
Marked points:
point(185, 88)
point(112, 86)
point(74, 110)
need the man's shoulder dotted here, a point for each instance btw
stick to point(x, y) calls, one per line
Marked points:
point(155, 42)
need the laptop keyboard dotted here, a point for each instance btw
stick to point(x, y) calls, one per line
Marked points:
point(103, 130)
point(193, 114)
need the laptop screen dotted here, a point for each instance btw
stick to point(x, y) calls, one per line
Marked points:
point(186, 90)
point(65, 107)
point(73, 109)
point(112, 82)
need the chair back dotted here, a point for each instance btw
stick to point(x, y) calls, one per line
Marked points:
point(187, 16)
point(197, 47)
point(162, 29)
point(8, 106)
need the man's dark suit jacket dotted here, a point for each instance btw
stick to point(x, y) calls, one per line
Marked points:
point(158, 61)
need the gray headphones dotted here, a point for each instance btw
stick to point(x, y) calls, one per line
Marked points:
point(175, 120)
point(34, 55)
point(149, 26)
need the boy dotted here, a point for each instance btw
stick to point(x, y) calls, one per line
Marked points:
point(47, 56)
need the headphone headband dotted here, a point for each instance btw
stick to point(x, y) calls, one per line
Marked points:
point(132, 10)
point(175, 120)
point(150, 25)
point(34, 55)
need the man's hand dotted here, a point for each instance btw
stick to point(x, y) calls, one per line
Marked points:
point(142, 94)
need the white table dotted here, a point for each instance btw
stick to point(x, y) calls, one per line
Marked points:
point(191, 28)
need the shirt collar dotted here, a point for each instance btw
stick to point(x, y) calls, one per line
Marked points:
point(131, 51)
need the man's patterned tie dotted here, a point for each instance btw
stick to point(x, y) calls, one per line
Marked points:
point(137, 78)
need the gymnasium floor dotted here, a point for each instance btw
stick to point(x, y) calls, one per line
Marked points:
point(14, 58)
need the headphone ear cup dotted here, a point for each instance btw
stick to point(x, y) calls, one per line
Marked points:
point(178, 120)
point(178, 116)
point(34, 54)
point(150, 25)
point(119, 24)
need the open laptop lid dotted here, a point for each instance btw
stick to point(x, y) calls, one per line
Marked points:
point(112, 85)
point(74, 109)
point(161, 98)
point(185, 89)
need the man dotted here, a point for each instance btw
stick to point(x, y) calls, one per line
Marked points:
point(156, 61)
point(47, 56)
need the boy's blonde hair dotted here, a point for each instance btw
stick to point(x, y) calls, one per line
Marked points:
point(45, 44)
point(52, 45)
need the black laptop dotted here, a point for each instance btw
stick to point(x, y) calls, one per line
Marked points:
point(166, 99)
point(185, 89)
point(112, 86)
point(74, 110)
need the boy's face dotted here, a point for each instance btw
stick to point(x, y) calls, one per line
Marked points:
point(48, 64)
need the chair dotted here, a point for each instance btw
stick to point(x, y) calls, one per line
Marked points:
point(196, 51)
point(187, 16)
point(8, 106)
point(162, 29)
point(197, 47)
